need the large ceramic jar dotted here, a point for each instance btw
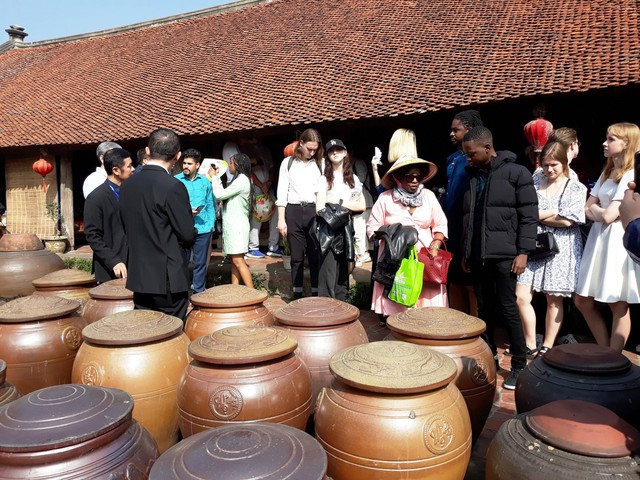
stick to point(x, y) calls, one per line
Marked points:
point(108, 298)
point(582, 371)
point(68, 283)
point(144, 353)
point(39, 339)
point(323, 326)
point(457, 335)
point(266, 451)
point(567, 439)
point(23, 258)
point(74, 432)
point(393, 412)
point(8, 392)
point(244, 374)
point(227, 306)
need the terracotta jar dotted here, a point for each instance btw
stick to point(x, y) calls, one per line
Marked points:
point(74, 431)
point(68, 283)
point(264, 451)
point(108, 298)
point(457, 335)
point(323, 326)
point(39, 338)
point(227, 306)
point(393, 412)
point(144, 353)
point(244, 374)
point(8, 393)
point(568, 439)
point(23, 258)
point(582, 371)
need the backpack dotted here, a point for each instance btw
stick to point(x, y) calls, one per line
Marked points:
point(291, 158)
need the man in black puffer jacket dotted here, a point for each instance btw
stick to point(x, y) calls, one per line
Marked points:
point(500, 219)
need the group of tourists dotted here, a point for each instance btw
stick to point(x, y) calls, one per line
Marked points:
point(146, 226)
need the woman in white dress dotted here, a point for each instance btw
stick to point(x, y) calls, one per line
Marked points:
point(607, 273)
point(561, 202)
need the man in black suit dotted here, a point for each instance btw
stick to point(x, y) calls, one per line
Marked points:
point(102, 223)
point(157, 219)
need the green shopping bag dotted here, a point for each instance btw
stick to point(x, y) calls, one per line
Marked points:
point(407, 283)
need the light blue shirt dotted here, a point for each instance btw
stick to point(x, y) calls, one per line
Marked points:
point(200, 193)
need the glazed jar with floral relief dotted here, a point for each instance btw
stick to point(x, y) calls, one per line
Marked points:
point(108, 298)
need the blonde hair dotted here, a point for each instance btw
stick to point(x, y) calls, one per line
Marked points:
point(558, 152)
point(402, 144)
point(630, 134)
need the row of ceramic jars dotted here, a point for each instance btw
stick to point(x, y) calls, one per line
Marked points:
point(74, 431)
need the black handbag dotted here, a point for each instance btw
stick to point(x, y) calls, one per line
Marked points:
point(546, 246)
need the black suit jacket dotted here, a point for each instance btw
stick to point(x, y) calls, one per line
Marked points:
point(157, 219)
point(104, 231)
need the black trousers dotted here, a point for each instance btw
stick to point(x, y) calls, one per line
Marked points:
point(333, 279)
point(298, 220)
point(495, 287)
point(174, 304)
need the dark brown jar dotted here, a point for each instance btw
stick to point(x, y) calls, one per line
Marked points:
point(23, 258)
point(565, 439)
point(144, 353)
point(393, 412)
point(68, 283)
point(582, 371)
point(323, 326)
point(227, 306)
point(457, 335)
point(108, 298)
point(264, 451)
point(39, 338)
point(8, 393)
point(74, 431)
point(244, 374)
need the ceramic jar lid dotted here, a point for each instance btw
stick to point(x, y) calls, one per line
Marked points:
point(227, 296)
point(112, 290)
point(584, 428)
point(36, 307)
point(65, 278)
point(243, 345)
point(436, 323)
point(60, 416)
point(267, 451)
point(132, 327)
point(393, 367)
point(19, 242)
point(316, 312)
point(588, 358)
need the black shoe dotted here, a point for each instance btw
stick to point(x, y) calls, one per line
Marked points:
point(297, 295)
point(511, 380)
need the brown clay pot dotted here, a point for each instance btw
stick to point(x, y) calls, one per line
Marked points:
point(39, 338)
point(68, 283)
point(582, 371)
point(106, 299)
point(568, 439)
point(393, 412)
point(456, 335)
point(8, 393)
point(23, 258)
point(244, 374)
point(74, 431)
point(143, 353)
point(263, 451)
point(323, 326)
point(227, 306)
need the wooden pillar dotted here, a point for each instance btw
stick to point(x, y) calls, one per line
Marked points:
point(66, 198)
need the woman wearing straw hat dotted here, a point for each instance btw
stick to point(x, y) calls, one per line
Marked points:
point(409, 203)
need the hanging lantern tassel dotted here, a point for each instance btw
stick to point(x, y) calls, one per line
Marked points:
point(43, 168)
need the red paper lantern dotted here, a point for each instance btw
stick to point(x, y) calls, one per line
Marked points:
point(537, 132)
point(44, 168)
point(291, 148)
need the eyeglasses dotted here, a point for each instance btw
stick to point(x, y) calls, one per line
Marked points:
point(412, 176)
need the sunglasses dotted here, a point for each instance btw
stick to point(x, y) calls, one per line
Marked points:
point(412, 176)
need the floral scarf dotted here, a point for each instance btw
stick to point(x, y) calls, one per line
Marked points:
point(408, 199)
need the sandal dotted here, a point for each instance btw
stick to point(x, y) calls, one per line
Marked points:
point(542, 350)
point(531, 354)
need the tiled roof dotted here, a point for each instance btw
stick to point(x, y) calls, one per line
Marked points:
point(310, 61)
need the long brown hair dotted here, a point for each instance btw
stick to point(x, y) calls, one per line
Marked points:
point(558, 152)
point(629, 133)
point(310, 135)
point(347, 171)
